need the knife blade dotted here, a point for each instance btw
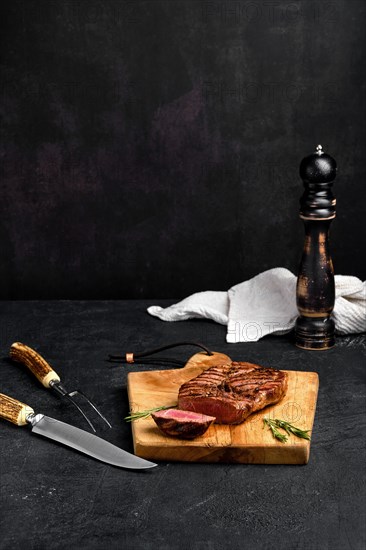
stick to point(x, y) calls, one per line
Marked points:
point(21, 414)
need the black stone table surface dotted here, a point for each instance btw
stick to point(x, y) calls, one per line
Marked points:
point(53, 497)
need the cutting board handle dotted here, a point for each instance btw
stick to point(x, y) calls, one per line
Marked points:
point(141, 357)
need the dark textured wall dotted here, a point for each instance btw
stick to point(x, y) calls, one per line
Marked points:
point(151, 148)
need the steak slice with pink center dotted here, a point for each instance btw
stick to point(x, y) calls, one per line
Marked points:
point(184, 424)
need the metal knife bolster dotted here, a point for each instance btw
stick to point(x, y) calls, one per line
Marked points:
point(32, 419)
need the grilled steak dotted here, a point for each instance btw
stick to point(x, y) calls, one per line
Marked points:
point(184, 424)
point(232, 392)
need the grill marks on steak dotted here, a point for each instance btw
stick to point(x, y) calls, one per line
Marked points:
point(232, 392)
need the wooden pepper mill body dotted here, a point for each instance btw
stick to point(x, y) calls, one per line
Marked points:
point(315, 291)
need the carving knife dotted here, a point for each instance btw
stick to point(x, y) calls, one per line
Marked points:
point(21, 414)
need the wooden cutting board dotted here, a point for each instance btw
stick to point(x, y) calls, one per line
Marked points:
point(246, 443)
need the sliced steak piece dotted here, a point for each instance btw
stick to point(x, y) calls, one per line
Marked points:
point(184, 424)
point(232, 392)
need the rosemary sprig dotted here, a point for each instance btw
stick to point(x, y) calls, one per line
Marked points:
point(273, 427)
point(290, 429)
point(274, 424)
point(144, 414)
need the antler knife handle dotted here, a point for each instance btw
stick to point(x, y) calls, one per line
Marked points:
point(13, 410)
point(315, 291)
point(35, 363)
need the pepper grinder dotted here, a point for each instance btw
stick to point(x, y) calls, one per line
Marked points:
point(315, 291)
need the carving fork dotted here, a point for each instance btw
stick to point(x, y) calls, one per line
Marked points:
point(49, 378)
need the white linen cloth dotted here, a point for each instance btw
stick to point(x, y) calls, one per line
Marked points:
point(266, 304)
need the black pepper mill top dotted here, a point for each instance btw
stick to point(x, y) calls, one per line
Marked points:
point(318, 171)
point(315, 293)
